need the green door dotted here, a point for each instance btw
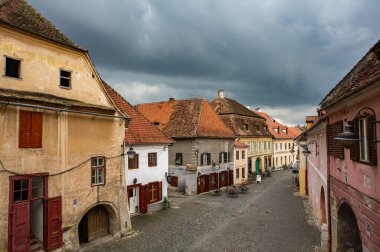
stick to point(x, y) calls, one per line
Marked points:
point(257, 165)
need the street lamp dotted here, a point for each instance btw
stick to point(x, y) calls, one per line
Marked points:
point(168, 177)
point(131, 153)
point(306, 150)
point(349, 137)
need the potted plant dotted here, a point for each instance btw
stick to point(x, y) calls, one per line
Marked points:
point(167, 203)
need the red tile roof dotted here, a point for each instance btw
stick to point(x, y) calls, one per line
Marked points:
point(363, 74)
point(295, 131)
point(21, 15)
point(187, 118)
point(224, 106)
point(140, 130)
point(278, 130)
point(241, 145)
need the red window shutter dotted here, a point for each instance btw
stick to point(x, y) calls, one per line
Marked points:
point(338, 146)
point(208, 158)
point(330, 140)
point(25, 129)
point(354, 150)
point(54, 223)
point(19, 227)
point(36, 130)
point(143, 199)
point(159, 191)
point(372, 151)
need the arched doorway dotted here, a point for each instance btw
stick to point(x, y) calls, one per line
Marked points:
point(322, 206)
point(257, 166)
point(348, 230)
point(94, 224)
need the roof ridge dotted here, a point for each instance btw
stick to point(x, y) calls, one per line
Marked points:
point(166, 101)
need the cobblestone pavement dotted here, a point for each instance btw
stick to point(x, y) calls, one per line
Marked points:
point(267, 218)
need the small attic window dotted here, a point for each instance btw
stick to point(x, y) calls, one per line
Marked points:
point(276, 129)
point(245, 126)
point(12, 67)
point(257, 128)
point(65, 79)
point(156, 123)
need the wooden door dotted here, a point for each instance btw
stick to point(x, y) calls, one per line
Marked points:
point(231, 177)
point(54, 223)
point(19, 233)
point(212, 182)
point(207, 183)
point(222, 179)
point(97, 221)
point(199, 187)
point(143, 199)
point(133, 199)
point(174, 181)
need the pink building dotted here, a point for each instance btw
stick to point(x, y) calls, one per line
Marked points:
point(354, 174)
point(316, 172)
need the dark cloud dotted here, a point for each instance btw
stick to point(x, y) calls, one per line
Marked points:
point(266, 53)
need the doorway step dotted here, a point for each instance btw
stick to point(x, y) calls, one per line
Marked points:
point(35, 244)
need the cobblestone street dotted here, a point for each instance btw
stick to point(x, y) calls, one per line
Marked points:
point(268, 218)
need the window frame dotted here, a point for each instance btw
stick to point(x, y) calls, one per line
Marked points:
point(97, 168)
point(363, 140)
point(242, 154)
point(237, 173)
point(69, 78)
point(152, 159)
point(207, 156)
point(21, 131)
point(178, 155)
point(132, 162)
point(237, 155)
point(5, 67)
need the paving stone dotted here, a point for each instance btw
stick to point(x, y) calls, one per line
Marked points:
point(267, 218)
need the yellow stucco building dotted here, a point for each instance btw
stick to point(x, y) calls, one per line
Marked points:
point(61, 140)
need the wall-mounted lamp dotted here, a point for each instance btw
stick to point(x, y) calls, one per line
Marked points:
point(168, 177)
point(131, 153)
point(349, 137)
point(306, 150)
point(215, 166)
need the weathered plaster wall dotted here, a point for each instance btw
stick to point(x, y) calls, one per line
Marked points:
point(69, 141)
point(41, 62)
point(353, 182)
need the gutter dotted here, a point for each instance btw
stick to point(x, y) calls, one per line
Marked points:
point(63, 110)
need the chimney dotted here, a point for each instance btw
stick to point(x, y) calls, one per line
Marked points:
point(278, 129)
point(220, 93)
point(171, 99)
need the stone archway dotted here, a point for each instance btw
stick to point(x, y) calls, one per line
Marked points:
point(322, 206)
point(98, 221)
point(348, 230)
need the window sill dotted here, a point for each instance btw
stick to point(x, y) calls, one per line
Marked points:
point(132, 168)
point(16, 78)
point(67, 88)
point(93, 185)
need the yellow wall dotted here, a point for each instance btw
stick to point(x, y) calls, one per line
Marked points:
point(258, 153)
point(41, 62)
point(240, 164)
point(69, 139)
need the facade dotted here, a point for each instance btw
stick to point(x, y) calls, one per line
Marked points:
point(56, 177)
point(146, 171)
point(283, 142)
point(201, 158)
point(354, 170)
point(240, 163)
point(315, 172)
point(249, 128)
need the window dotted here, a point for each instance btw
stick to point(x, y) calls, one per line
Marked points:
point(276, 146)
point(178, 159)
point(237, 173)
point(154, 192)
point(224, 157)
point(205, 158)
point(280, 146)
point(98, 168)
point(20, 190)
point(237, 155)
point(156, 123)
point(242, 154)
point(260, 143)
point(285, 159)
point(65, 79)
point(257, 128)
point(255, 145)
point(276, 161)
point(245, 126)
point(281, 161)
point(133, 163)
point(363, 143)
point(265, 145)
point(243, 172)
point(335, 148)
point(152, 159)
point(269, 145)
point(12, 67)
point(30, 129)
point(289, 146)
point(38, 188)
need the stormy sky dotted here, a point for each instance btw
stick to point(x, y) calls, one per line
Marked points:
point(280, 55)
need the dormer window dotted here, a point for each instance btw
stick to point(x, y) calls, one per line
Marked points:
point(276, 130)
point(245, 126)
point(257, 128)
point(65, 79)
point(12, 67)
